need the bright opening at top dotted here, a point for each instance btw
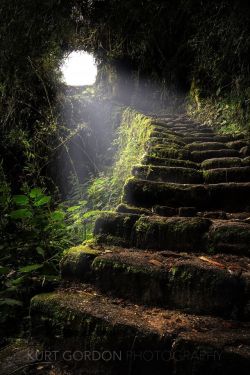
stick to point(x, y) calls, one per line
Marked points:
point(79, 69)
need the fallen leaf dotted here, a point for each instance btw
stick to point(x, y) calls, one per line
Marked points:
point(156, 262)
point(213, 262)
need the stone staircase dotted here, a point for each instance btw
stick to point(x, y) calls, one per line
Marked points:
point(165, 288)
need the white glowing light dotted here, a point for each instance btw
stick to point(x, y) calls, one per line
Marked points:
point(79, 69)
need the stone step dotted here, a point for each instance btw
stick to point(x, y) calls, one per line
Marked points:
point(153, 160)
point(196, 134)
point(126, 209)
point(211, 138)
point(203, 146)
point(229, 345)
point(241, 216)
point(246, 161)
point(133, 339)
point(214, 285)
point(216, 137)
point(200, 156)
point(168, 174)
point(182, 175)
point(205, 129)
point(231, 197)
point(167, 211)
point(220, 175)
point(165, 135)
point(20, 356)
point(168, 141)
point(237, 145)
point(184, 282)
point(228, 162)
point(172, 151)
point(165, 131)
point(191, 234)
point(170, 211)
point(175, 126)
point(191, 130)
point(245, 151)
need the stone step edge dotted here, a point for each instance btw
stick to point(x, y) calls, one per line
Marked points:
point(186, 175)
point(216, 285)
point(231, 196)
point(80, 318)
point(188, 234)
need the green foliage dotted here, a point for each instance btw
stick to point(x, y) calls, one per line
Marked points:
point(80, 220)
point(33, 235)
point(105, 191)
point(227, 113)
point(220, 89)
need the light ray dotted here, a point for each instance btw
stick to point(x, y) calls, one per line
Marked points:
point(79, 69)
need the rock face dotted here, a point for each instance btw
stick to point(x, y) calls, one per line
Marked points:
point(165, 287)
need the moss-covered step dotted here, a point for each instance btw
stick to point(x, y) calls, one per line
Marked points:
point(182, 128)
point(196, 284)
point(153, 160)
point(232, 237)
point(228, 196)
point(246, 161)
point(173, 125)
point(76, 262)
point(203, 146)
point(237, 145)
point(126, 209)
point(165, 211)
point(168, 174)
point(172, 151)
point(195, 134)
point(222, 163)
point(211, 138)
point(161, 131)
point(84, 320)
point(200, 156)
point(235, 174)
point(164, 143)
point(80, 320)
point(232, 345)
point(205, 129)
point(245, 151)
point(159, 135)
point(152, 232)
point(191, 234)
point(21, 356)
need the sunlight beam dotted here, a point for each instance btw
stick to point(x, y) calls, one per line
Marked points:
point(79, 69)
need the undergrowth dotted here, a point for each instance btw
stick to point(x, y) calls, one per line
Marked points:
point(105, 191)
point(229, 114)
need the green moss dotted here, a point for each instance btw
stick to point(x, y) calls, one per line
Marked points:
point(124, 208)
point(131, 140)
point(60, 311)
point(168, 162)
point(171, 151)
point(226, 114)
point(168, 174)
point(81, 249)
point(178, 234)
point(230, 238)
point(173, 272)
point(230, 232)
point(101, 263)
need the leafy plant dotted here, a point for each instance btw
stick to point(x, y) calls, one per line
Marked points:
point(105, 191)
point(33, 236)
